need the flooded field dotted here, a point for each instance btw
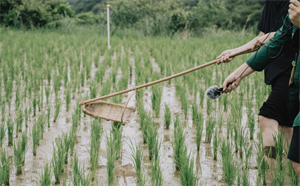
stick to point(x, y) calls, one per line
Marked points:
point(44, 76)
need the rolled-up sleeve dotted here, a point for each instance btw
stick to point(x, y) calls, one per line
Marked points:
point(274, 48)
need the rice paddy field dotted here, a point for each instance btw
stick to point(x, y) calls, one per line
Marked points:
point(177, 136)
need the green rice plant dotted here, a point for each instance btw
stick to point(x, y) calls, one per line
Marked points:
point(236, 137)
point(35, 138)
point(57, 108)
point(5, 166)
point(57, 163)
point(195, 112)
point(76, 171)
point(93, 89)
point(26, 117)
point(293, 175)
point(48, 115)
point(17, 100)
point(72, 136)
point(1, 175)
point(260, 161)
point(220, 122)
point(278, 174)
point(18, 157)
point(41, 125)
point(279, 148)
point(24, 143)
point(47, 93)
point(156, 98)
point(167, 116)
point(117, 131)
point(56, 84)
point(136, 156)
point(111, 158)
point(187, 173)
point(68, 97)
point(66, 145)
point(199, 128)
point(229, 166)
point(66, 76)
point(156, 173)
point(242, 141)
point(19, 121)
point(3, 110)
point(151, 139)
point(34, 105)
point(41, 100)
point(215, 145)
point(10, 131)
point(45, 178)
point(178, 145)
point(96, 130)
point(208, 106)
point(248, 151)
point(2, 133)
point(245, 176)
point(210, 125)
point(251, 125)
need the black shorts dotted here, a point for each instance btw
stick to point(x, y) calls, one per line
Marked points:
point(294, 151)
point(277, 105)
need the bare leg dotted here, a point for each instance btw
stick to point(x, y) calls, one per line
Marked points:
point(296, 168)
point(269, 128)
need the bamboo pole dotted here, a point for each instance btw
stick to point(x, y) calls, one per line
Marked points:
point(167, 78)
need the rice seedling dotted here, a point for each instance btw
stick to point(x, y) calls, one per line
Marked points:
point(26, 117)
point(5, 165)
point(293, 175)
point(111, 158)
point(19, 121)
point(45, 178)
point(199, 128)
point(236, 137)
point(229, 166)
point(47, 93)
point(278, 174)
point(156, 173)
point(178, 145)
point(167, 116)
point(68, 97)
point(260, 161)
point(136, 156)
point(245, 176)
point(24, 143)
point(195, 112)
point(18, 157)
point(10, 130)
point(151, 139)
point(34, 105)
point(251, 125)
point(57, 163)
point(76, 171)
point(187, 173)
point(209, 106)
point(41, 100)
point(57, 108)
point(35, 138)
point(156, 98)
point(95, 140)
point(117, 130)
point(3, 110)
point(279, 148)
point(41, 125)
point(2, 133)
point(215, 145)
point(242, 141)
point(72, 137)
point(248, 151)
point(48, 115)
point(210, 125)
point(66, 145)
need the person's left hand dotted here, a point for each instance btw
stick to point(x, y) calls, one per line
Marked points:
point(294, 12)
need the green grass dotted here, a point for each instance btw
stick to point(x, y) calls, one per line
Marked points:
point(45, 178)
point(199, 128)
point(24, 144)
point(18, 157)
point(136, 156)
point(5, 165)
point(10, 131)
point(35, 138)
point(229, 166)
point(57, 108)
point(57, 161)
point(279, 148)
point(167, 116)
point(187, 173)
point(96, 130)
point(261, 163)
point(156, 98)
point(178, 145)
point(2, 133)
point(215, 145)
point(68, 97)
point(210, 125)
point(111, 158)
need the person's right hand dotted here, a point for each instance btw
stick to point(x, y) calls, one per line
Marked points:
point(224, 57)
point(231, 78)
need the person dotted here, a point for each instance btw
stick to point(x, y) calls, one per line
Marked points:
point(273, 115)
point(285, 39)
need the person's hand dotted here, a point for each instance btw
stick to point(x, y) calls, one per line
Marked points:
point(261, 40)
point(294, 12)
point(231, 78)
point(224, 57)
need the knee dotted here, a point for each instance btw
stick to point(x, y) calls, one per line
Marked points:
point(263, 123)
point(296, 168)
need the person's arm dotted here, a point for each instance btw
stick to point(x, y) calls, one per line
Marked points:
point(258, 41)
point(294, 12)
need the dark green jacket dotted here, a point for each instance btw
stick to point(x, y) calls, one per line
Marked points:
point(278, 45)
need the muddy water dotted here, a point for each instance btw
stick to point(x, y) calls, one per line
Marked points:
point(208, 170)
